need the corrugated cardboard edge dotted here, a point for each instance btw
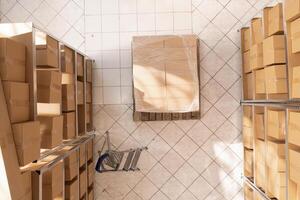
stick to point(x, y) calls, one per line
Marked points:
point(147, 116)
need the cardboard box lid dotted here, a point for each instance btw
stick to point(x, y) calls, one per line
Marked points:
point(25, 133)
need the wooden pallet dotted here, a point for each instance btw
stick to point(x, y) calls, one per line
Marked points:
point(146, 116)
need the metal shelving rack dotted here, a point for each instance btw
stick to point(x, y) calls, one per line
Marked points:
point(286, 105)
point(25, 33)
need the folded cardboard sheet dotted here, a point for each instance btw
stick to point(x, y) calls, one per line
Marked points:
point(165, 74)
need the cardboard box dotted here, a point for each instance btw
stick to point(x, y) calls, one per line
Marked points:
point(248, 162)
point(246, 62)
point(69, 125)
point(247, 116)
point(294, 164)
point(48, 109)
point(90, 150)
point(245, 35)
point(88, 113)
point(276, 124)
point(51, 129)
point(256, 31)
point(292, 9)
point(91, 173)
point(160, 64)
point(82, 154)
point(274, 50)
point(277, 184)
point(28, 141)
point(17, 100)
point(53, 183)
point(295, 35)
point(295, 82)
point(48, 86)
point(67, 64)
point(71, 166)
point(276, 156)
point(247, 137)
point(47, 53)
point(12, 60)
point(248, 192)
point(91, 194)
point(256, 56)
point(82, 183)
point(80, 92)
point(294, 190)
point(259, 126)
point(71, 190)
point(67, 79)
point(88, 92)
point(276, 79)
point(27, 185)
point(273, 20)
point(89, 68)
point(259, 163)
point(260, 86)
point(68, 98)
point(248, 90)
point(81, 114)
point(294, 128)
point(80, 65)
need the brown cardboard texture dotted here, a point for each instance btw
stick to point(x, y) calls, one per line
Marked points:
point(91, 173)
point(48, 86)
point(53, 183)
point(245, 34)
point(292, 9)
point(295, 35)
point(260, 86)
point(294, 162)
point(80, 92)
point(246, 62)
point(294, 128)
point(276, 79)
point(90, 150)
point(80, 65)
point(256, 31)
point(89, 68)
point(88, 113)
point(51, 129)
point(88, 92)
point(82, 183)
point(259, 126)
point(67, 61)
point(12, 60)
point(69, 125)
point(273, 20)
point(256, 56)
point(71, 166)
point(17, 100)
point(68, 98)
point(72, 190)
point(165, 73)
point(28, 141)
point(295, 93)
point(276, 156)
point(276, 124)
point(274, 50)
point(82, 154)
point(248, 162)
point(47, 53)
point(248, 92)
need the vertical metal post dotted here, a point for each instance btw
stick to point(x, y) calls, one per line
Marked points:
point(37, 185)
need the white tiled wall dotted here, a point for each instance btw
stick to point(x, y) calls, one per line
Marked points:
point(64, 19)
point(109, 30)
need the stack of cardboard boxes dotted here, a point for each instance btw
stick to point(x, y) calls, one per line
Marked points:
point(53, 183)
point(88, 118)
point(247, 71)
point(68, 93)
point(259, 148)
point(248, 192)
point(71, 176)
point(82, 171)
point(80, 94)
point(165, 74)
point(248, 140)
point(16, 90)
point(48, 91)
